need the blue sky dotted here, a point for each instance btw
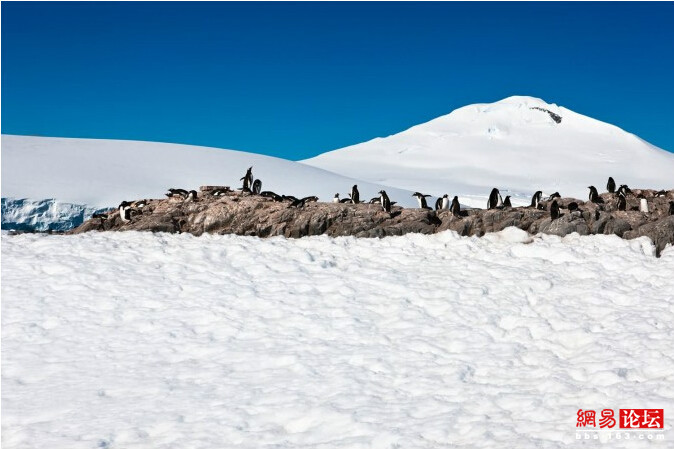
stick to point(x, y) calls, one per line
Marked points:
point(297, 79)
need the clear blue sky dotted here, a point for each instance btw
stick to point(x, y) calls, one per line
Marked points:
point(296, 79)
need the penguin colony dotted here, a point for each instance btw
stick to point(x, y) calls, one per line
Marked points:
point(251, 186)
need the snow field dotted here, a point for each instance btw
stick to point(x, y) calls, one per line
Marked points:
point(136, 340)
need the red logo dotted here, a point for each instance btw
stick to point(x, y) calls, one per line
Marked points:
point(642, 418)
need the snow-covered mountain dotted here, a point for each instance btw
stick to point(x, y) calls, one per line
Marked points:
point(519, 144)
point(54, 183)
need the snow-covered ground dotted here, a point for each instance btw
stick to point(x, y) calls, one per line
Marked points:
point(141, 340)
point(507, 145)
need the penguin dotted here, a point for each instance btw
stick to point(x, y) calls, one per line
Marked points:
point(220, 192)
point(660, 193)
point(624, 189)
point(494, 199)
point(610, 185)
point(257, 186)
point(272, 195)
point(297, 203)
point(442, 203)
point(385, 201)
point(102, 217)
point(174, 193)
point(536, 199)
point(191, 195)
point(671, 208)
point(594, 195)
point(289, 198)
point(336, 198)
point(554, 210)
point(622, 204)
point(346, 200)
point(139, 204)
point(643, 205)
point(553, 196)
point(421, 198)
point(506, 202)
point(572, 206)
point(375, 200)
point(125, 211)
point(455, 207)
point(248, 178)
point(310, 199)
point(355, 196)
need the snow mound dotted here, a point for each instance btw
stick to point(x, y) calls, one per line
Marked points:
point(154, 340)
point(514, 144)
point(77, 176)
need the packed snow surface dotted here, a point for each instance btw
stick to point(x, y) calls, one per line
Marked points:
point(514, 145)
point(138, 340)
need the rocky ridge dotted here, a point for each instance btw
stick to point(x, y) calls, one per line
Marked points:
point(253, 215)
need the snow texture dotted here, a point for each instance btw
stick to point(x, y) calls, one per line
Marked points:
point(43, 215)
point(137, 340)
point(510, 145)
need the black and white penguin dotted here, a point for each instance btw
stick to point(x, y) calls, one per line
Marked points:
point(289, 198)
point(622, 203)
point(355, 196)
point(336, 198)
point(572, 206)
point(375, 200)
point(495, 199)
point(310, 199)
point(660, 193)
point(272, 195)
point(421, 198)
point(643, 205)
point(220, 192)
point(298, 203)
point(385, 201)
point(139, 204)
point(442, 203)
point(536, 199)
point(594, 195)
point(191, 195)
point(506, 202)
point(610, 185)
point(554, 210)
point(125, 211)
point(102, 217)
point(345, 200)
point(554, 195)
point(624, 189)
point(175, 193)
point(671, 208)
point(257, 186)
point(455, 207)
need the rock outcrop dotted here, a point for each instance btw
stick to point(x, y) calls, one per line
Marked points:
point(254, 215)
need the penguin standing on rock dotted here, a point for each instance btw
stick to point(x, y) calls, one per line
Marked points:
point(191, 195)
point(455, 207)
point(442, 203)
point(506, 202)
point(495, 199)
point(125, 211)
point(624, 189)
point(421, 198)
point(355, 195)
point(622, 203)
point(554, 210)
point(247, 180)
point(385, 201)
point(336, 198)
point(536, 199)
point(610, 185)
point(257, 186)
point(594, 195)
